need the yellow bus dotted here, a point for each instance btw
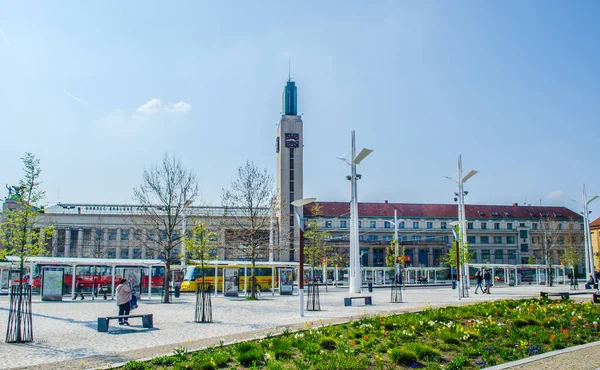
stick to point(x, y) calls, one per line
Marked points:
point(263, 275)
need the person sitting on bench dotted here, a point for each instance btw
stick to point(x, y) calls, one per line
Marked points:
point(123, 298)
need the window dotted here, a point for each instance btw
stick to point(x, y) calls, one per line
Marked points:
point(470, 225)
point(291, 152)
point(485, 255)
point(534, 225)
point(497, 240)
point(361, 237)
point(415, 224)
point(430, 225)
point(291, 175)
point(509, 226)
point(430, 238)
point(99, 234)
point(494, 213)
point(112, 234)
point(485, 240)
point(559, 226)
point(483, 225)
point(523, 234)
point(534, 239)
point(496, 225)
point(444, 225)
point(416, 238)
point(291, 186)
point(446, 239)
point(524, 247)
point(373, 224)
point(510, 240)
point(291, 163)
point(387, 238)
point(327, 224)
point(401, 226)
point(471, 240)
point(512, 255)
point(359, 224)
point(403, 238)
point(499, 255)
point(372, 238)
point(387, 224)
point(124, 234)
point(292, 221)
point(522, 224)
point(343, 224)
point(581, 226)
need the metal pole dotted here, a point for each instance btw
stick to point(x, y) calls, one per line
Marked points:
point(271, 222)
point(301, 271)
point(354, 278)
point(396, 246)
point(183, 238)
point(588, 261)
point(457, 269)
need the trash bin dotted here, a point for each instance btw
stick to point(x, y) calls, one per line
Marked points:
point(177, 291)
point(370, 285)
point(454, 285)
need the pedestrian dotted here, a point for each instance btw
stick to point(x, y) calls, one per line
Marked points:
point(479, 282)
point(123, 298)
point(79, 288)
point(487, 277)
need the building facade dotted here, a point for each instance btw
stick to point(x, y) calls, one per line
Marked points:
point(496, 234)
point(595, 237)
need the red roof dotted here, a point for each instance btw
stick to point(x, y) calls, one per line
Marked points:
point(595, 224)
point(337, 209)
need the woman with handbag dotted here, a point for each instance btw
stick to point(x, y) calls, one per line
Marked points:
point(123, 298)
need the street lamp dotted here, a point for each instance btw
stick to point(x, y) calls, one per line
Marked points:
point(461, 204)
point(590, 269)
point(455, 232)
point(297, 204)
point(186, 205)
point(355, 275)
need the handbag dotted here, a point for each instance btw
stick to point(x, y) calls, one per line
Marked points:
point(133, 303)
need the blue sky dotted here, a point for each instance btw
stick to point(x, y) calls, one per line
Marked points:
point(100, 90)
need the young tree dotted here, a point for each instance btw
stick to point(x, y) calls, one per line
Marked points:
point(573, 248)
point(22, 238)
point(248, 202)
point(200, 246)
point(548, 241)
point(315, 246)
point(465, 256)
point(166, 189)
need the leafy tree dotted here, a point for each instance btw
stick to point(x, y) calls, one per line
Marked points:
point(573, 247)
point(166, 190)
point(465, 255)
point(21, 237)
point(248, 201)
point(315, 246)
point(200, 245)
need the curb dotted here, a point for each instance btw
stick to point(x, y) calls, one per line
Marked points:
point(535, 358)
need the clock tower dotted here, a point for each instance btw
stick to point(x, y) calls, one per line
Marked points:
point(289, 148)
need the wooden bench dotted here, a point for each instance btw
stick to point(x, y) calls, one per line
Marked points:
point(147, 321)
point(348, 300)
point(566, 295)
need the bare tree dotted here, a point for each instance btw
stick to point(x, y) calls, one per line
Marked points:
point(167, 188)
point(548, 242)
point(573, 247)
point(248, 202)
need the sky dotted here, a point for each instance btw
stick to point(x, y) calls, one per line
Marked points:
point(98, 91)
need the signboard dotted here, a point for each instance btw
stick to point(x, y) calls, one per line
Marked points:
point(134, 277)
point(52, 283)
point(230, 277)
point(286, 281)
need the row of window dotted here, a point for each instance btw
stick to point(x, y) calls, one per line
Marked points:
point(486, 239)
point(442, 225)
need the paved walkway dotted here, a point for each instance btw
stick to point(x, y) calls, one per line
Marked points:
point(65, 335)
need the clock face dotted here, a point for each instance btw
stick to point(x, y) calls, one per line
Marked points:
point(292, 140)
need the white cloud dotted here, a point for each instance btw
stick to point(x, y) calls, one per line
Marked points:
point(181, 107)
point(555, 194)
point(152, 107)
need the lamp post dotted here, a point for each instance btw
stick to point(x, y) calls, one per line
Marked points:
point(297, 204)
point(588, 252)
point(355, 276)
point(183, 236)
point(456, 234)
point(461, 205)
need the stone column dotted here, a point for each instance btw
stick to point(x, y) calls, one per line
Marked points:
point(54, 243)
point(80, 243)
point(371, 259)
point(118, 249)
point(430, 257)
point(416, 257)
point(93, 243)
point(105, 237)
point(131, 242)
point(67, 242)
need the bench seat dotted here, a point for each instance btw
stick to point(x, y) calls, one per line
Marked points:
point(147, 321)
point(348, 300)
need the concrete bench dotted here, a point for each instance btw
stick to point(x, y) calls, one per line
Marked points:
point(348, 300)
point(147, 321)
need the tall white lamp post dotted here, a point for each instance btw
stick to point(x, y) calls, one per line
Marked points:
point(461, 206)
point(186, 205)
point(355, 275)
point(590, 269)
point(297, 204)
point(455, 232)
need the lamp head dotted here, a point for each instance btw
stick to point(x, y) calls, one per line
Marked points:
point(303, 202)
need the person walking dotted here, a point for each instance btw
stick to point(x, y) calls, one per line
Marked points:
point(123, 298)
point(79, 287)
point(479, 282)
point(487, 277)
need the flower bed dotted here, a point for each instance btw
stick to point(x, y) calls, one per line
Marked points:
point(473, 336)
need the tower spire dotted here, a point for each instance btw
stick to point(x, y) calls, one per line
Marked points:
point(289, 68)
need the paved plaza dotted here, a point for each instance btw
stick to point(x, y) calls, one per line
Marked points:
point(66, 337)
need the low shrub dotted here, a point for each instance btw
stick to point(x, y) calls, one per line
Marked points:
point(403, 356)
point(424, 352)
point(248, 353)
point(136, 365)
point(163, 361)
point(281, 348)
point(327, 343)
point(458, 363)
point(524, 321)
